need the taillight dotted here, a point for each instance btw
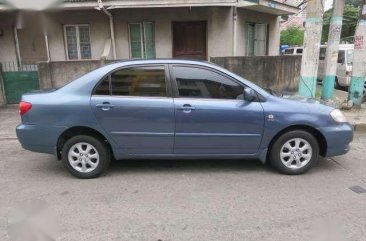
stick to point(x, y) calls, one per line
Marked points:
point(24, 107)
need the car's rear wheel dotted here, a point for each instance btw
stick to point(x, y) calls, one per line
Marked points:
point(85, 156)
point(294, 152)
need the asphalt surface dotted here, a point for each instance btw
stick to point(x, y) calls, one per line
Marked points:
point(181, 200)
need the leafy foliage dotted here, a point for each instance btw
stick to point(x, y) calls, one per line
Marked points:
point(292, 36)
point(355, 3)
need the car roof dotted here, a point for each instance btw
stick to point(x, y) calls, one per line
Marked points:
point(162, 61)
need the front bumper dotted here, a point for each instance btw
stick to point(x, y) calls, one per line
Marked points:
point(338, 138)
point(39, 138)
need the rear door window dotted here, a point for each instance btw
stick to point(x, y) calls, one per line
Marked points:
point(134, 81)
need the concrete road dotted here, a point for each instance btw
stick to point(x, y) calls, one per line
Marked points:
point(185, 200)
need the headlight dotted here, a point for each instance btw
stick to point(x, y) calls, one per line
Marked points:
point(338, 116)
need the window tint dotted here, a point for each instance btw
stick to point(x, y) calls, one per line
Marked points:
point(141, 81)
point(299, 51)
point(202, 83)
point(103, 87)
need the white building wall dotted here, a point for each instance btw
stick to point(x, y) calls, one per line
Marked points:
point(273, 21)
point(7, 45)
point(99, 31)
point(219, 28)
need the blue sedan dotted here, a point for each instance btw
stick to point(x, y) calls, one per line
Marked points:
point(176, 109)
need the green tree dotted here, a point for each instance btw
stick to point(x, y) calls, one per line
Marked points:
point(355, 3)
point(292, 36)
point(350, 19)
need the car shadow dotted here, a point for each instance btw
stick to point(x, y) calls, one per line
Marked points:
point(199, 165)
point(245, 166)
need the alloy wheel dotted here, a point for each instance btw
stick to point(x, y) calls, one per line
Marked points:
point(296, 153)
point(83, 157)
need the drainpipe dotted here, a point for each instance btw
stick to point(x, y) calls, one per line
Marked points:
point(47, 47)
point(111, 25)
point(17, 45)
point(235, 26)
point(112, 32)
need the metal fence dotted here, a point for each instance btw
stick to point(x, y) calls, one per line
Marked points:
point(18, 78)
point(14, 66)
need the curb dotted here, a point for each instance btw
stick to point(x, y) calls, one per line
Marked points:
point(361, 127)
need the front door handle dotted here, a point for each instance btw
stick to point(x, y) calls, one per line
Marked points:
point(186, 108)
point(105, 106)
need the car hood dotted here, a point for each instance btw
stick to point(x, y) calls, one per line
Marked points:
point(309, 100)
point(299, 104)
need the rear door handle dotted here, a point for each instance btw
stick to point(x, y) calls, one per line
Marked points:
point(105, 106)
point(186, 108)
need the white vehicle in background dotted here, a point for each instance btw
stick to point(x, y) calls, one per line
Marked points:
point(344, 64)
point(293, 51)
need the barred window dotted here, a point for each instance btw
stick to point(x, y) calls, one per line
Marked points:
point(77, 39)
point(142, 40)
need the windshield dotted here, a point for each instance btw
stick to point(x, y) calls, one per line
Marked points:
point(349, 57)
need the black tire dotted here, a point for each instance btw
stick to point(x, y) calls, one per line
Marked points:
point(275, 151)
point(101, 148)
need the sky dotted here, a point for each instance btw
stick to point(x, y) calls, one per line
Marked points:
point(328, 4)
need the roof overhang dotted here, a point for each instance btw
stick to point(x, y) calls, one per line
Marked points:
point(146, 4)
point(4, 7)
point(268, 6)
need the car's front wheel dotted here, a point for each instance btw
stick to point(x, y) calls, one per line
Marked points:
point(85, 156)
point(294, 152)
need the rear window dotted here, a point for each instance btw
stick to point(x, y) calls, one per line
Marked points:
point(139, 81)
point(289, 51)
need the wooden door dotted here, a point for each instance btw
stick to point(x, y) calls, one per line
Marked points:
point(189, 40)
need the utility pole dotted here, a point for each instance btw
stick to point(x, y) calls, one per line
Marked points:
point(310, 57)
point(331, 56)
point(355, 92)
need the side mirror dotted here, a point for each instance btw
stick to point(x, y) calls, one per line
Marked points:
point(249, 94)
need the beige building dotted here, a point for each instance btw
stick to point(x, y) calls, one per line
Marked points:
point(116, 29)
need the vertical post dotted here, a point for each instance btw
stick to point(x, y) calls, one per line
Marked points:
point(310, 58)
point(235, 26)
point(331, 56)
point(355, 92)
point(2, 89)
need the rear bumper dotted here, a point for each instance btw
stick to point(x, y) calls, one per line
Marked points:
point(338, 138)
point(344, 81)
point(39, 138)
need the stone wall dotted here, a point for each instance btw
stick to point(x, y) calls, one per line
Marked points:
point(59, 73)
point(279, 73)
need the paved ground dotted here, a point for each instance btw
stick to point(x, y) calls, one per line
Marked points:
point(186, 200)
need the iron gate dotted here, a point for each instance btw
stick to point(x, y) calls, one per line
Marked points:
point(18, 79)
